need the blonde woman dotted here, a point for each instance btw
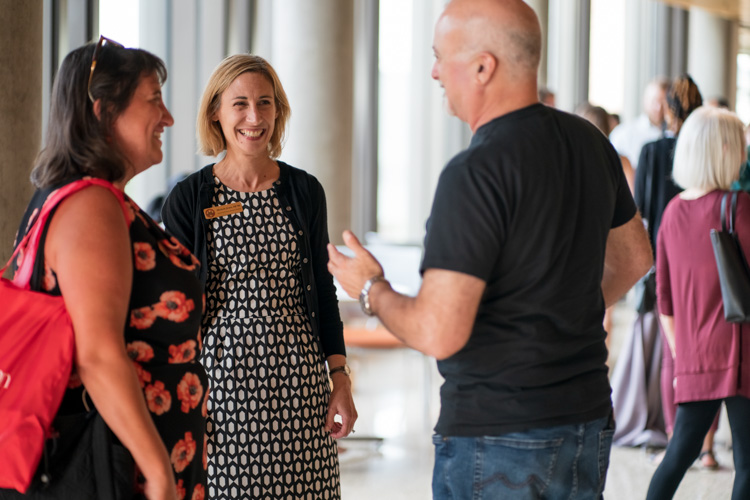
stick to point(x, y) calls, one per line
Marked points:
point(710, 358)
point(259, 228)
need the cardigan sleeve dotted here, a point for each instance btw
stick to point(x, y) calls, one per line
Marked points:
point(643, 170)
point(178, 215)
point(331, 327)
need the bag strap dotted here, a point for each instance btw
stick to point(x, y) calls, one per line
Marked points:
point(30, 242)
point(732, 213)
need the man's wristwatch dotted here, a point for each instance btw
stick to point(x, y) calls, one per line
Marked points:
point(343, 368)
point(364, 295)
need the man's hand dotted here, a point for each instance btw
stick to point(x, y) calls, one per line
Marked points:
point(352, 272)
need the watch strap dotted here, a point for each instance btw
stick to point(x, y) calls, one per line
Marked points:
point(343, 369)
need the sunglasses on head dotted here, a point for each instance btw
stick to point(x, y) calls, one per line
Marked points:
point(103, 40)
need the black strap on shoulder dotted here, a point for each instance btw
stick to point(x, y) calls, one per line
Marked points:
point(732, 212)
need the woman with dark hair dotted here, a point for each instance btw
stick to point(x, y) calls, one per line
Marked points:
point(129, 288)
point(272, 321)
point(710, 356)
point(656, 184)
point(640, 401)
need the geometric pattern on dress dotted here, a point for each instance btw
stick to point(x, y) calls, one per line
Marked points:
point(269, 388)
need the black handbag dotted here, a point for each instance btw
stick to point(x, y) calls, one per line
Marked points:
point(730, 262)
point(82, 461)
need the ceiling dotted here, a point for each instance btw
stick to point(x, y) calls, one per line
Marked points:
point(735, 10)
point(730, 9)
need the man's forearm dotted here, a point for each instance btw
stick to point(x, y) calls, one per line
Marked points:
point(400, 316)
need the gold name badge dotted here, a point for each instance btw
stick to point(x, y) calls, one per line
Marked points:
point(222, 210)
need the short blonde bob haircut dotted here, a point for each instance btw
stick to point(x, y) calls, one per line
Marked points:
point(710, 150)
point(210, 137)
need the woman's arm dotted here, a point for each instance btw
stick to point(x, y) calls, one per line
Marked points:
point(331, 329)
point(89, 248)
point(341, 402)
point(667, 325)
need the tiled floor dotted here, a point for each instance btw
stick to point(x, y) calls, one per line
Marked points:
point(396, 392)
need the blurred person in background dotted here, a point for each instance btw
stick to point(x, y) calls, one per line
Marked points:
point(638, 389)
point(629, 137)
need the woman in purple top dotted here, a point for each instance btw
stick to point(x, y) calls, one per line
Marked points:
point(712, 362)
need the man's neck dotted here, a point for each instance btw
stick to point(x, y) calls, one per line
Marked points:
point(501, 107)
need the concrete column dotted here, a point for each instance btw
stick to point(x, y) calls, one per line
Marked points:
point(261, 32)
point(642, 23)
point(568, 63)
point(669, 43)
point(316, 68)
point(20, 110)
point(240, 18)
point(365, 127)
point(678, 41)
point(709, 59)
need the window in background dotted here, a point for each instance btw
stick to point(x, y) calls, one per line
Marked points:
point(607, 54)
point(118, 20)
point(394, 137)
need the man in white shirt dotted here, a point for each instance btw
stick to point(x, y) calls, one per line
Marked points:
point(629, 137)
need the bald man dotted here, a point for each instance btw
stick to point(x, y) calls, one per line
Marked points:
point(532, 233)
point(630, 137)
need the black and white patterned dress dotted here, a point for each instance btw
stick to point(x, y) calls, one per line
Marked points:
point(269, 388)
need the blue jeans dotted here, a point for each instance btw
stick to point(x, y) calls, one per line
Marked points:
point(564, 462)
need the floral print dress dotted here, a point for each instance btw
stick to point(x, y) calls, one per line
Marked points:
point(162, 337)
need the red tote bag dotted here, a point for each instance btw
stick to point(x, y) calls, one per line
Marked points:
point(37, 346)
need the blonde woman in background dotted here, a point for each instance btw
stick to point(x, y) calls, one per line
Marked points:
point(710, 357)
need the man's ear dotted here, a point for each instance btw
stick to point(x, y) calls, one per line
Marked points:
point(486, 65)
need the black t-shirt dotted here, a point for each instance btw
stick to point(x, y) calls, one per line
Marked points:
point(527, 208)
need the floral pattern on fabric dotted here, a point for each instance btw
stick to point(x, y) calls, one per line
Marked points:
point(182, 353)
point(145, 257)
point(183, 452)
point(162, 338)
point(158, 399)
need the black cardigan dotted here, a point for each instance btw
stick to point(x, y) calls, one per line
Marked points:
point(304, 200)
point(655, 163)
